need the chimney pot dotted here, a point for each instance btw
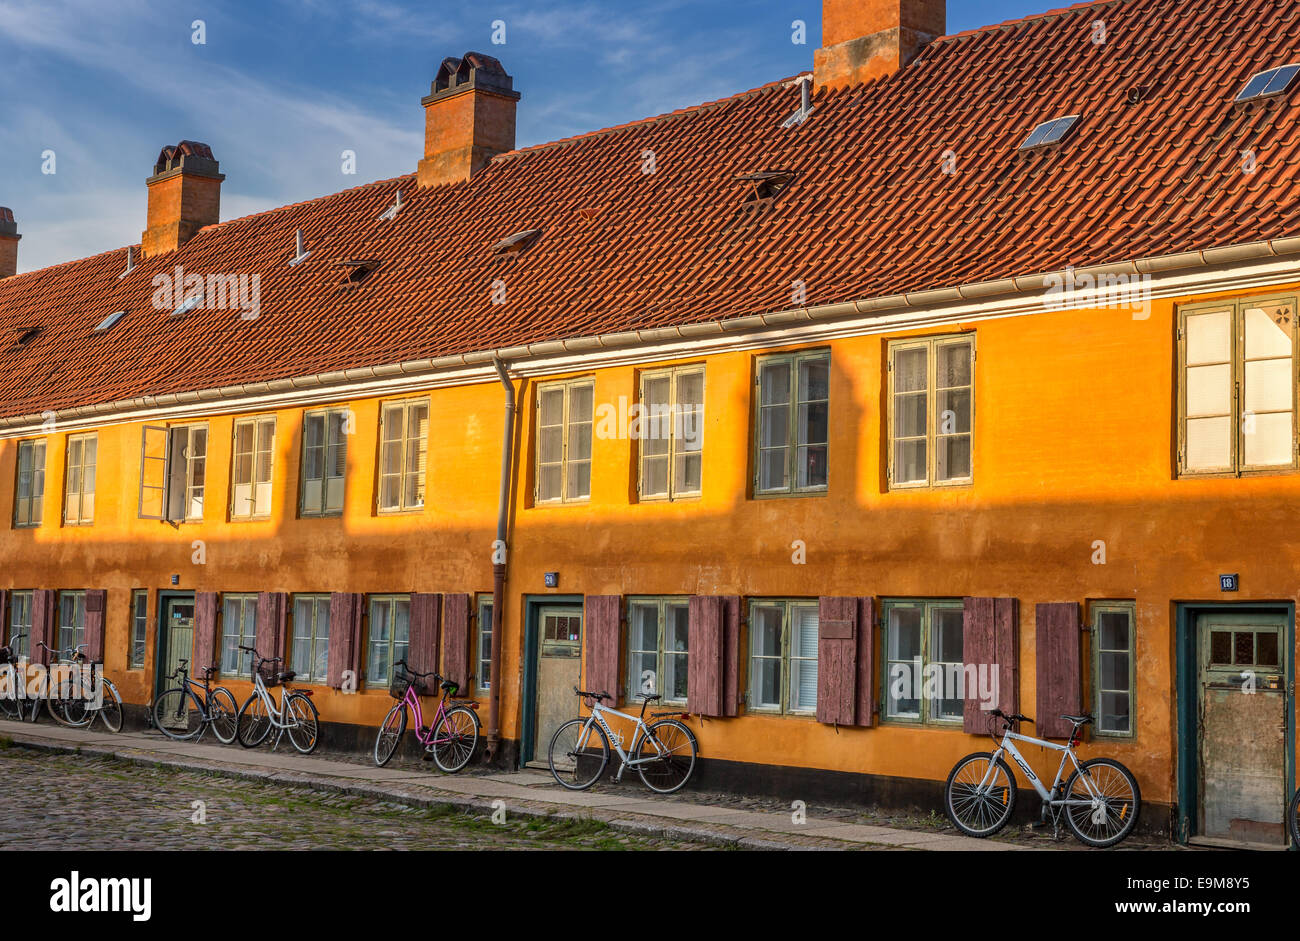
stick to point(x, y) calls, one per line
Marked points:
point(469, 118)
point(8, 243)
point(863, 40)
point(184, 196)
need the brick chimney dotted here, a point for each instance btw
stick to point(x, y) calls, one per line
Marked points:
point(864, 40)
point(8, 243)
point(184, 196)
point(469, 118)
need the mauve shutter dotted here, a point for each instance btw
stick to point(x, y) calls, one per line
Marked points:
point(346, 610)
point(601, 623)
point(731, 655)
point(991, 641)
point(426, 628)
point(96, 603)
point(45, 615)
point(455, 651)
point(1057, 673)
point(272, 609)
point(4, 615)
point(837, 656)
point(705, 667)
point(205, 633)
point(865, 707)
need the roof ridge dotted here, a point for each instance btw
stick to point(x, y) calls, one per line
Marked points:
point(1029, 18)
point(308, 202)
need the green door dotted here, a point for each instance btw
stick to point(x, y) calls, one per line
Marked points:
point(175, 637)
point(1242, 727)
point(558, 670)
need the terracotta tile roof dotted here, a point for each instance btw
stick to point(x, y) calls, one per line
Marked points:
point(869, 213)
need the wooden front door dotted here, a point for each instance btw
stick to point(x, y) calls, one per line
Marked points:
point(559, 670)
point(1242, 727)
point(175, 638)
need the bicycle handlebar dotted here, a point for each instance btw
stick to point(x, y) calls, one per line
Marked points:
point(415, 673)
point(586, 695)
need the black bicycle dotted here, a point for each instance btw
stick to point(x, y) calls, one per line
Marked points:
point(13, 705)
point(184, 712)
point(1293, 819)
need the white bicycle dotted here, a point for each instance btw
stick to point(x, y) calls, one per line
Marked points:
point(1099, 800)
point(296, 714)
point(663, 752)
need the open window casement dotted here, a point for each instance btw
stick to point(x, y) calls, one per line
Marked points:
point(172, 472)
point(155, 454)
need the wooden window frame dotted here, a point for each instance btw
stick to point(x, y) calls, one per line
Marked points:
point(318, 601)
point(34, 502)
point(259, 423)
point(660, 603)
point(932, 346)
point(791, 488)
point(13, 626)
point(673, 375)
point(566, 425)
point(482, 635)
point(168, 472)
point(325, 511)
point(244, 599)
point(421, 477)
point(787, 606)
point(78, 634)
point(139, 629)
point(1095, 610)
point(392, 600)
point(928, 606)
point(1236, 307)
point(81, 518)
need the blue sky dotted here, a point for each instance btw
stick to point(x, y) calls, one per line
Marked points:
point(282, 87)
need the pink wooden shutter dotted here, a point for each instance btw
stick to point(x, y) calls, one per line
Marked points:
point(991, 641)
point(705, 670)
point(205, 633)
point(455, 650)
point(272, 610)
point(601, 624)
point(426, 630)
point(346, 611)
point(730, 655)
point(4, 615)
point(1058, 674)
point(45, 621)
point(96, 603)
point(837, 660)
point(865, 707)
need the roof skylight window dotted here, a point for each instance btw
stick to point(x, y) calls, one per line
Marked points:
point(358, 269)
point(190, 303)
point(109, 322)
point(1268, 83)
point(518, 243)
point(1050, 132)
point(765, 185)
point(26, 334)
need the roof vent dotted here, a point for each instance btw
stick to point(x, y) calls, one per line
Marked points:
point(130, 262)
point(518, 243)
point(1268, 84)
point(765, 186)
point(805, 102)
point(1049, 133)
point(391, 212)
point(300, 250)
point(109, 322)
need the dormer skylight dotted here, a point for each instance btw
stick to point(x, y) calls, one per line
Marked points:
point(190, 303)
point(765, 186)
point(358, 269)
point(1049, 133)
point(1267, 84)
point(25, 335)
point(109, 322)
point(518, 243)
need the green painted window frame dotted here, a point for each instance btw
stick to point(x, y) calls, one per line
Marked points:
point(317, 645)
point(1095, 611)
point(787, 606)
point(681, 658)
point(394, 647)
point(1237, 363)
point(927, 606)
point(139, 628)
point(247, 602)
point(29, 511)
point(20, 621)
point(933, 432)
point(483, 642)
point(72, 620)
point(76, 490)
point(793, 405)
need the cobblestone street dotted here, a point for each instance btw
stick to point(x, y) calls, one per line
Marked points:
point(59, 802)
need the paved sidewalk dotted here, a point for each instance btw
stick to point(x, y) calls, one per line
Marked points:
point(528, 793)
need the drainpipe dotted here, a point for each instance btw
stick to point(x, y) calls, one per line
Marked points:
point(499, 568)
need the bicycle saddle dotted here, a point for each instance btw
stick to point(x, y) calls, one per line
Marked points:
point(286, 676)
point(450, 687)
point(653, 698)
point(1078, 720)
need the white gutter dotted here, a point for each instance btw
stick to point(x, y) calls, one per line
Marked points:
point(1240, 267)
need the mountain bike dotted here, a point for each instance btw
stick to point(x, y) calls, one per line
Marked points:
point(1100, 799)
point(83, 706)
point(295, 714)
point(663, 752)
point(1293, 819)
point(184, 712)
point(449, 739)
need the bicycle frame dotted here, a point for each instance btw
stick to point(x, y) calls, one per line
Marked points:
point(641, 730)
point(412, 701)
point(274, 713)
point(1008, 746)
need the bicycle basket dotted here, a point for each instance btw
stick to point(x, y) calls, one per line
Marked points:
point(270, 676)
point(401, 682)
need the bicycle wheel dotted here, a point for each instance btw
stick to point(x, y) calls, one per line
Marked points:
point(176, 716)
point(976, 810)
point(110, 710)
point(454, 739)
point(390, 734)
point(11, 708)
point(578, 754)
point(252, 722)
point(223, 710)
point(1115, 811)
point(671, 746)
point(1293, 817)
point(304, 722)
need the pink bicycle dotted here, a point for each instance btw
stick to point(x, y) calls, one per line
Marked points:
point(449, 739)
